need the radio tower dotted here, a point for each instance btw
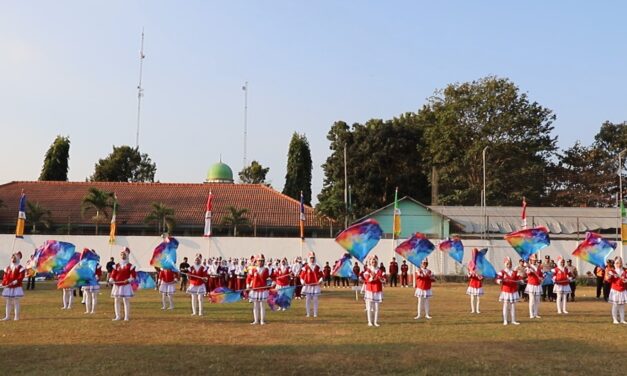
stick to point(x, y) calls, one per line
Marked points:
point(140, 91)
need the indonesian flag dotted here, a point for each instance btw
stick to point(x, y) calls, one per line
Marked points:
point(21, 217)
point(208, 216)
point(302, 216)
point(524, 214)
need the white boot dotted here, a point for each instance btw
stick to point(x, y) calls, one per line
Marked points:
point(262, 314)
point(513, 312)
point(116, 308)
point(505, 307)
point(16, 309)
point(419, 309)
point(427, 309)
point(193, 304)
point(376, 313)
point(315, 305)
point(127, 308)
point(255, 313)
point(368, 314)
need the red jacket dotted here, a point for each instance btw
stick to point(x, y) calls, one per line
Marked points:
point(309, 275)
point(282, 276)
point(474, 280)
point(326, 271)
point(615, 278)
point(257, 278)
point(373, 279)
point(393, 267)
point(196, 275)
point(122, 273)
point(168, 276)
point(424, 278)
point(508, 281)
point(404, 269)
point(16, 274)
point(534, 277)
point(561, 277)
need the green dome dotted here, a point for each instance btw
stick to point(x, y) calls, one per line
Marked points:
point(220, 173)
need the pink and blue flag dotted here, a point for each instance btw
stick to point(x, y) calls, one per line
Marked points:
point(595, 249)
point(53, 257)
point(164, 255)
point(480, 264)
point(281, 298)
point(529, 241)
point(82, 273)
point(454, 247)
point(222, 295)
point(143, 281)
point(344, 268)
point(360, 238)
point(415, 249)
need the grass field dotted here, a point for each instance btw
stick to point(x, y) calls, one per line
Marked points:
point(51, 341)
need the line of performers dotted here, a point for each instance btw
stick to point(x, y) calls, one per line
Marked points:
point(259, 279)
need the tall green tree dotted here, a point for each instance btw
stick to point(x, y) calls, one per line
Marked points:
point(235, 218)
point(37, 215)
point(99, 201)
point(163, 216)
point(298, 176)
point(464, 118)
point(125, 164)
point(56, 166)
point(254, 174)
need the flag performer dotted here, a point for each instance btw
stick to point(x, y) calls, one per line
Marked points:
point(197, 279)
point(167, 287)
point(423, 279)
point(311, 277)
point(562, 278)
point(257, 283)
point(90, 293)
point(535, 276)
point(12, 286)
point(617, 278)
point(475, 285)
point(121, 277)
point(508, 279)
point(373, 280)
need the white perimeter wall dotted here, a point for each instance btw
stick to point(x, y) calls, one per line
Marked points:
point(326, 249)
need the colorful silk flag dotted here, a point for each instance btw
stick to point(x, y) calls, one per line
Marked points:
point(143, 281)
point(207, 232)
point(114, 225)
point(53, 256)
point(164, 255)
point(623, 227)
point(396, 224)
point(415, 249)
point(594, 249)
point(523, 216)
point(360, 238)
point(343, 268)
point(83, 273)
point(480, 264)
point(529, 241)
point(21, 217)
point(454, 247)
point(223, 295)
point(548, 278)
point(302, 216)
point(281, 298)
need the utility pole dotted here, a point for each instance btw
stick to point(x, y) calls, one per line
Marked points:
point(140, 90)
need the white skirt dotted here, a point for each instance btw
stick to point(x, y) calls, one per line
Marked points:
point(533, 290)
point(618, 297)
point(93, 288)
point(200, 289)
point(311, 290)
point(509, 297)
point(420, 293)
point(167, 288)
point(258, 295)
point(12, 292)
point(123, 291)
point(561, 289)
point(476, 291)
point(376, 297)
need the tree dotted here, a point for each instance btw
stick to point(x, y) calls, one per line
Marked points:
point(55, 166)
point(125, 164)
point(163, 216)
point(381, 155)
point(99, 201)
point(235, 217)
point(37, 215)
point(298, 176)
point(464, 118)
point(254, 174)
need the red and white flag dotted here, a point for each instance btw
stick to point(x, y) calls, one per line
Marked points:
point(208, 216)
point(524, 214)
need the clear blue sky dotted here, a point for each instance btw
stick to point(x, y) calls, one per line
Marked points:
point(71, 68)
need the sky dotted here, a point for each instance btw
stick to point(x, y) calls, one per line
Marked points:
point(71, 68)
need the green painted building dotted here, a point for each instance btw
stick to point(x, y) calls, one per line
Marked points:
point(415, 217)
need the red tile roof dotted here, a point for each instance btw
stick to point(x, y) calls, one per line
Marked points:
point(266, 206)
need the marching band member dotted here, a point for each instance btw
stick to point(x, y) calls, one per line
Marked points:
point(296, 267)
point(121, 277)
point(12, 283)
point(617, 277)
point(404, 274)
point(197, 280)
point(475, 286)
point(68, 297)
point(535, 276)
point(373, 280)
point(90, 292)
point(508, 279)
point(311, 277)
point(282, 275)
point(424, 279)
point(562, 278)
point(240, 275)
point(257, 282)
point(167, 286)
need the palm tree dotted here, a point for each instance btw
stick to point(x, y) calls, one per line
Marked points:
point(163, 215)
point(99, 201)
point(37, 215)
point(235, 217)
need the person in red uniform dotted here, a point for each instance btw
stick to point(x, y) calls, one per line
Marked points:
point(296, 267)
point(311, 277)
point(357, 272)
point(404, 274)
point(197, 284)
point(326, 275)
point(562, 278)
point(393, 270)
point(509, 279)
point(535, 276)
point(90, 292)
point(257, 282)
point(373, 281)
point(282, 275)
point(475, 285)
point(617, 277)
point(12, 284)
point(167, 286)
point(121, 277)
point(424, 279)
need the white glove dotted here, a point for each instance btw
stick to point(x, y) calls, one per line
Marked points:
point(111, 280)
point(13, 283)
point(130, 280)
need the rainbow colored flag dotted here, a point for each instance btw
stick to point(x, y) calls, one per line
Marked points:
point(623, 226)
point(529, 241)
point(360, 238)
point(143, 281)
point(281, 298)
point(83, 273)
point(480, 264)
point(415, 249)
point(53, 256)
point(222, 295)
point(21, 217)
point(164, 255)
point(344, 267)
point(594, 249)
point(396, 223)
point(453, 247)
